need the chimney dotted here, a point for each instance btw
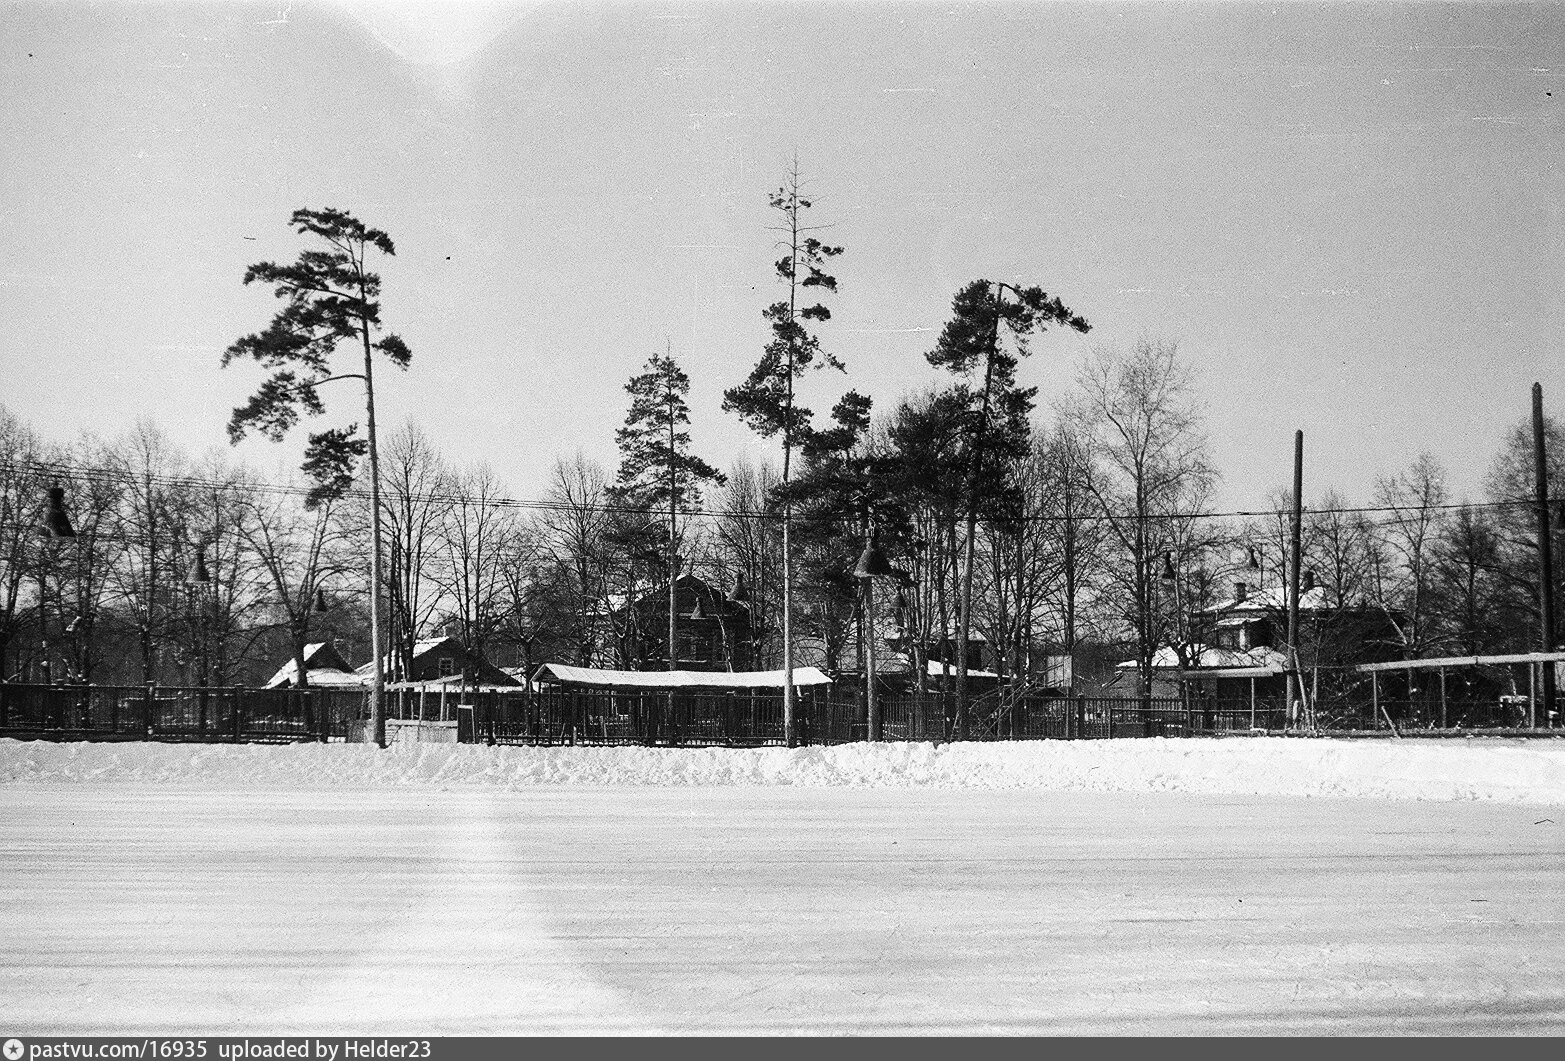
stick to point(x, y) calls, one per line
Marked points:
point(1241, 591)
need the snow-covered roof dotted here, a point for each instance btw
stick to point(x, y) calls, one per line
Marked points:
point(935, 669)
point(419, 648)
point(451, 682)
point(1261, 660)
point(320, 676)
point(677, 679)
point(1273, 598)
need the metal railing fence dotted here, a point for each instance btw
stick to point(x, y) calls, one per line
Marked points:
point(739, 718)
point(181, 713)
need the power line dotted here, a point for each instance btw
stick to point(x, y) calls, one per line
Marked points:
point(113, 477)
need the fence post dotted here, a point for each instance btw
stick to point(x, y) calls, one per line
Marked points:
point(239, 707)
point(148, 700)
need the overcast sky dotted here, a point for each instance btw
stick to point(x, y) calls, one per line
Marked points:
point(1349, 217)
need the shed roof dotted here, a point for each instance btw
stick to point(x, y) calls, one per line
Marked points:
point(676, 679)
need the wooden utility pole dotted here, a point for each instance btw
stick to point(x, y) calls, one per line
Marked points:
point(1294, 681)
point(673, 527)
point(1540, 465)
point(871, 700)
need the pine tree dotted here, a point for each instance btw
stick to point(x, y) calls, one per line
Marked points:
point(657, 470)
point(765, 401)
point(331, 297)
point(998, 410)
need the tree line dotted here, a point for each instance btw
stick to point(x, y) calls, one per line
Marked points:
point(1075, 538)
point(1088, 521)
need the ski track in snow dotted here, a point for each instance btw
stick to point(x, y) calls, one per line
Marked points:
point(1510, 771)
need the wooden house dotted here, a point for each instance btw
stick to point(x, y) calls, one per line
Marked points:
point(713, 630)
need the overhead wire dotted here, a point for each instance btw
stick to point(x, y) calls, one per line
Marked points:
point(108, 476)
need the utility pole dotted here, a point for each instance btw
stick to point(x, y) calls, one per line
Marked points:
point(378, 681)
point(1540, 465)
point(1295, 533)
point(673, 539)
point(871, 702)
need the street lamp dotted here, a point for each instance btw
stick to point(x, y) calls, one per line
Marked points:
point(872, 564)
point(55, 524)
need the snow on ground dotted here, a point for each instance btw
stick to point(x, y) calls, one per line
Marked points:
point(1052, 887)
point(1503, 770)
point(148, 909)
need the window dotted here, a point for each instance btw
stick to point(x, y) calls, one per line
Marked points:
point(447, 666)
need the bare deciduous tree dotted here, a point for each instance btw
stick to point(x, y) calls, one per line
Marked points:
point(1138, 410)
point(1403, 564)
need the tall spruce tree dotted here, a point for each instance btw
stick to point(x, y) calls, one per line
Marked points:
point(997, 409)
point(657, 470)
point(765, 401)
point(330, 297)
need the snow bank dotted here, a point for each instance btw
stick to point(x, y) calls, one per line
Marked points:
point(1481, 769)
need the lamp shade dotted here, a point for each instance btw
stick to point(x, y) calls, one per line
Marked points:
point(198, 570)
point(56, 524)
point(872, 563)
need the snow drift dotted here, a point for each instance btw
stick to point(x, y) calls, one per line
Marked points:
point(1517, 771)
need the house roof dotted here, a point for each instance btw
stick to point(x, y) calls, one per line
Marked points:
point(676, 679)
point(1271, 599)
point(452, 682)
point(1254, 662)
point(422, 648)
point(935, 669)
point(322, 664)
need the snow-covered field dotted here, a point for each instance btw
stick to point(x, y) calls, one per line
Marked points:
point(1513, 770)
point(1087, 887)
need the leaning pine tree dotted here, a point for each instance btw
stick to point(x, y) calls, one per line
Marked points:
point(657, 469)
point(765, 400)
point(330, 297)
point(997, 409)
